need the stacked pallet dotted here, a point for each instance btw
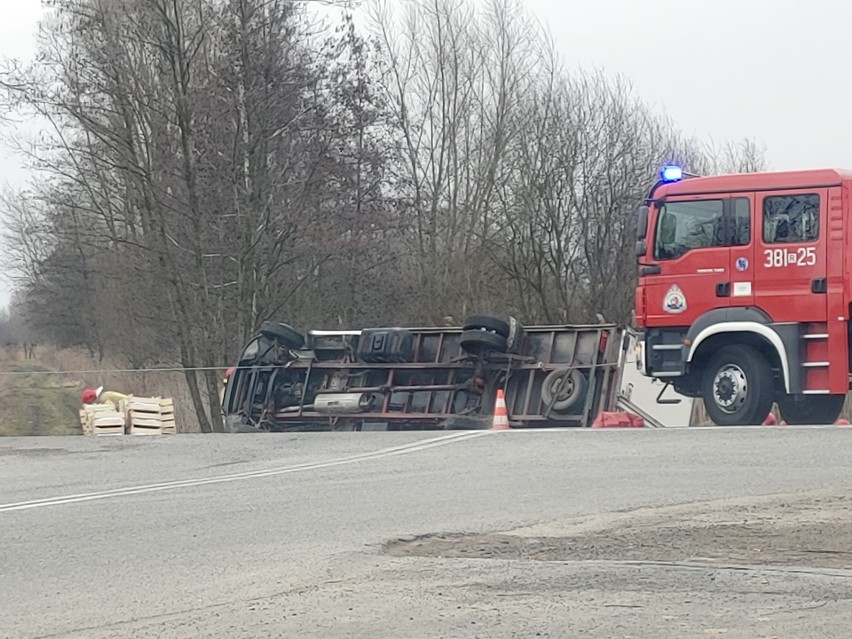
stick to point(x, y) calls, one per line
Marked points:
point(84, 422)
point(102, 419)
point(150, 416)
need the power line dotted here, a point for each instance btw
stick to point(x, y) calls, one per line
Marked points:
point(104, 371)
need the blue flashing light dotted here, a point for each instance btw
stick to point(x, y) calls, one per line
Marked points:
point(671, 173)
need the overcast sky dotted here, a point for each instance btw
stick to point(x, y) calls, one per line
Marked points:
point(18, 21)
point(779, 70)
point(776, 70)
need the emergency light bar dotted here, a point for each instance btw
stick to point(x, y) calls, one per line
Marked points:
point(671, 174)
point(668, 174)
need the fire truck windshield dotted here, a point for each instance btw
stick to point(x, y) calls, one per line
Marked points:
point(685, 226)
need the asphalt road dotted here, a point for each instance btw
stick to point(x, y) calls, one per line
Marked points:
point(283, 535)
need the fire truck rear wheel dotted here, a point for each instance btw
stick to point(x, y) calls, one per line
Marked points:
point(737, 386)
point(810, 410)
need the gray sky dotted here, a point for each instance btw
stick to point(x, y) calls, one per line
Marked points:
point(17, 29)
point(775, 70)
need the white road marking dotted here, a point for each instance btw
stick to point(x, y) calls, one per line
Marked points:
point(219, 479)
point(755, 427)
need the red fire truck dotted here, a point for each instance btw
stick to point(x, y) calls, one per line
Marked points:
point(744, 292)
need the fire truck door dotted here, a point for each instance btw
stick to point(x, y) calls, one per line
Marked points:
point(790, 272)
point(742, 233)
point(691, 261)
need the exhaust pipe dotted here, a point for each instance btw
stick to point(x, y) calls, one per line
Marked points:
point(343, 402)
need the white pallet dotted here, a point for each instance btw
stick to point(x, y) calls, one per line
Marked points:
point(101, 419)
point(137, 430)
point(109, 432)
point(149, 415)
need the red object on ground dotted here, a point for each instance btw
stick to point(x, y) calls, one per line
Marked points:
point(770, 420)
point(90, 396)
point(618, 420)
point(842, 422)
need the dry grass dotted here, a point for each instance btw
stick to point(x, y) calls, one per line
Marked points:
point(55, 379)
point(35, 402)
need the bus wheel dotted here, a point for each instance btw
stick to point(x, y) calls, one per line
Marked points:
point(737, 386)
point(811, 409)
point(564, 388)
point(286, 335)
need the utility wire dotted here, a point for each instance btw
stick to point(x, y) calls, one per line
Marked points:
point(104, 371)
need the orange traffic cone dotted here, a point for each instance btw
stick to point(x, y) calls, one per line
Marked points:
point(501, 417)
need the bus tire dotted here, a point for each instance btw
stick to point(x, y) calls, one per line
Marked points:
point(564, 388)
point(284, 334)
point(487, 323)
point(478, 342)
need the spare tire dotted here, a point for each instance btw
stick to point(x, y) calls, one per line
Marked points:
point(284, 334)
point(477, 342)
point(564, 388)
point(487, 323)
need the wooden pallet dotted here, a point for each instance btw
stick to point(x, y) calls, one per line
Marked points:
point(101, 419)
point(150, 415)
point(109, 425)
point(85, 424)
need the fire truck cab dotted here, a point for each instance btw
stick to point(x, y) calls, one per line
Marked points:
point(744, 291)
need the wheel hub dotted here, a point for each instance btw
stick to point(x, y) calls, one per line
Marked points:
point(562, 387)
point(730, 388)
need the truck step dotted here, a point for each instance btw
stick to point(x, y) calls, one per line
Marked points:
point(815, 364)
point(815, 336)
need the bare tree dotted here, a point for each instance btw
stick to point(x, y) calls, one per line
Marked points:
point(217, 163)
point(452, 83)
point(196, 140)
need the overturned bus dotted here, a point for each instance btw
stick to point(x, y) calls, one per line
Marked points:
point(424, 378)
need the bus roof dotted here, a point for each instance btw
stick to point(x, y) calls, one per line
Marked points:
point(768, 181)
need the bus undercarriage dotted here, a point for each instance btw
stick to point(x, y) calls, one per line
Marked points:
point(424, 378)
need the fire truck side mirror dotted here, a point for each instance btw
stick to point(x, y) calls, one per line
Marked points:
point(641, 249)
point(642, 223)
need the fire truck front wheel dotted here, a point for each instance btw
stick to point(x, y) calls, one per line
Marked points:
point(810, 410)
point(737, 386)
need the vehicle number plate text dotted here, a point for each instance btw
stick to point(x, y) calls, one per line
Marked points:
point(777, 258)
